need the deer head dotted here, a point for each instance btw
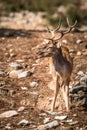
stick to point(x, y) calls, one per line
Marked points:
point(53, 46)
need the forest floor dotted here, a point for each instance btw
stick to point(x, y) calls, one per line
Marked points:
point(30, 95)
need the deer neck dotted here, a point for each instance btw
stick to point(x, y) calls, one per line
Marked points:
point(58, 60)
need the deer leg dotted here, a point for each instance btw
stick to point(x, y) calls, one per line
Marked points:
point(66, 95)
point(55, 93)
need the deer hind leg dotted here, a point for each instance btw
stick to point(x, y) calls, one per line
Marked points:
point(66, 95)
point(57, 87)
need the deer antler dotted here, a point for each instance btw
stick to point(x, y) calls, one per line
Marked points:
point(69, 30)
point(70, 26)
point(54, 31)
point(58, 27)
point(60, 32)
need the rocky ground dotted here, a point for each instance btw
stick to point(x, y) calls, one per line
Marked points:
point(25, 94)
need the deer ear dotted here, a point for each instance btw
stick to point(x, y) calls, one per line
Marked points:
point(59, 44)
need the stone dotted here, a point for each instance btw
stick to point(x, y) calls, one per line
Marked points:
point(52, 113)
point(24, 74)
point(73, 123)
point(33, 93)
point(33, 84)
point(84, 79)
point(42, 114)
point(46, 120)
point(50, 125)
point(24, 122)
point(79, 53)
point(19, 61)
point(64, 41)
point(24, 88)
point(8, 126)
point(76, 89)
point(2, 72)
point(14, 73)
point(15, 66)
point(79, 41)
point(12, 92)
point(80, 73)
point(9, 113)
point(60, 117)
point(20, 109)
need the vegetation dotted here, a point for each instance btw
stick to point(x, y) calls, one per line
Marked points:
point(72, 8)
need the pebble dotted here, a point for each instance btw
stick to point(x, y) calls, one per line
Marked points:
point(80, 73)
point(9, 113)
point(33, 84)
point(24, 88)
point(15, 66)
point(46, 120)
point(24, 74)
point(60, 117)
point(20, 61)
point(76, 89)
point(2, 73)
point(21, 109)
point(42, 114)
point(79, 53)
point(52, 113)
point(8, 126)
point(79, 41)
point(73, 123)
point(14, 73)
point(84, 79)
point(50, 125)
point(33, 93)
point(24, 122)
point(64, 41)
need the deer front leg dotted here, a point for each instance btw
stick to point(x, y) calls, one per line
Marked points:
point(57, 86)
point(66, 96)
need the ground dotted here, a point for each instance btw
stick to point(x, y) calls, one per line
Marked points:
point(22, 45)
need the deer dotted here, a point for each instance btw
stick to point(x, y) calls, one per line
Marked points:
point(60, 61)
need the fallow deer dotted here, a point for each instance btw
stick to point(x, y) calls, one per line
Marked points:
point(61, 64)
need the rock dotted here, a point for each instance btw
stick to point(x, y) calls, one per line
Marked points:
point(8, 126)
point(79, 41)
point(47, 126)
point(80, 73)
point(60, 117)
point(84, 79)
point(79, 53)
point(12, 92)
point(33, 84)
point(2, 72)
point(42, 114)
point(24, 74)
point(21, 109)
point(9, 113)
point(46, 120)
point(64, 41)
point(25, 102)
point(76, 89)
point(24, 122)
point(52, 113)
point(14, 73)
point(73, 123)
point(33, 93)
point(24, 88)
point(19, 61)
point(15, 66)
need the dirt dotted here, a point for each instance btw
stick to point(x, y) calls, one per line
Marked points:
point(22, 45)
